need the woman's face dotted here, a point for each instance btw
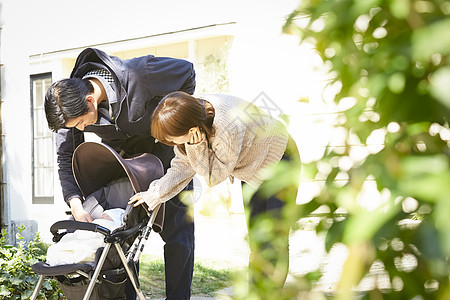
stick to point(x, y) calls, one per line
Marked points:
point(191, 136)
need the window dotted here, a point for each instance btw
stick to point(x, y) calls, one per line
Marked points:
point(43, 144)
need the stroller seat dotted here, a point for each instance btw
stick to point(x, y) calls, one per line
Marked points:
point(43, 268)
point(106, 181)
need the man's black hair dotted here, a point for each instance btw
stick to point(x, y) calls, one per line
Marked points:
point(66, 99)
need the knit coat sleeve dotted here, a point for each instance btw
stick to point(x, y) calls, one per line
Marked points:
point(216, 163)
point(174, 181)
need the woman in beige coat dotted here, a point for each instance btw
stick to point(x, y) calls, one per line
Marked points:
point(220, 137)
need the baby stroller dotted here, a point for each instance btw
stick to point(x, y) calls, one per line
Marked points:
point(101, 174)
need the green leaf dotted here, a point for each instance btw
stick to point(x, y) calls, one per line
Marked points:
point(334, 234)
point(305, 209)
point(396, 82)
point(26, 294)
point(427, 187)
point(314, 276)
point(434, 38)
point(441, 217)
point(363, 6)
point(432, 164)
point(46, 285)
point(425, 177)
point(400, 8)
point(364, 225)
point(17, 280)
point(4, 291)
point(440, 83)
point(428, 241)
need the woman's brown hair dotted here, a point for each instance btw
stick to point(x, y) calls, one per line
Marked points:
point(177, 113)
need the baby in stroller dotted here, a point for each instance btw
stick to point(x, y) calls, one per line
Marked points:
point(107, 181)
point(80, 246)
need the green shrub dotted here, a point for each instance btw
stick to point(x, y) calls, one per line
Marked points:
point(17, 280)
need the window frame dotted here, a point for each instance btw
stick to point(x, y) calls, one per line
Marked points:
point(39, 199)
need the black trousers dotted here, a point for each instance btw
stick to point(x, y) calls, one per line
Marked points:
point(178, 235)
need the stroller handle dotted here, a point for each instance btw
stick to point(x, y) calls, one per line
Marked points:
point(77, 225)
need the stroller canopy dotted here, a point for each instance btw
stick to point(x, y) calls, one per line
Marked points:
point(95, 164)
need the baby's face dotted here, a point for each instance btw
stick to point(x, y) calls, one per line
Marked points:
point(105, 216)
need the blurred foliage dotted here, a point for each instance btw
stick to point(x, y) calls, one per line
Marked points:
point(268, 234)
point(390, 60)
point(212, 72)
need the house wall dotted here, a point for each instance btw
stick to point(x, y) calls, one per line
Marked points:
point(15, 120)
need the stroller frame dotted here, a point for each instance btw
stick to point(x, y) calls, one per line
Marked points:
point(104, 167)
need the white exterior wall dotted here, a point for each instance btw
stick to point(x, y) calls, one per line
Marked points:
point(15, 115)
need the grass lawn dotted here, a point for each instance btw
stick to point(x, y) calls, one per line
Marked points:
point(205, 282)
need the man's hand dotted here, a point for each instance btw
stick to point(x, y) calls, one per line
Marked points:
point(78, 211)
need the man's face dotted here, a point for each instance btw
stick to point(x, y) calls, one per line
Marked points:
point(82, 121)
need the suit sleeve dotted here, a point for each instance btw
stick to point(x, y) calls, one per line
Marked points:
point(171, 74)
point(67, 139)
point(189, 84)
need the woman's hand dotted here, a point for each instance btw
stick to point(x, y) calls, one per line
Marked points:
point(146, 197)
point(196, 136)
